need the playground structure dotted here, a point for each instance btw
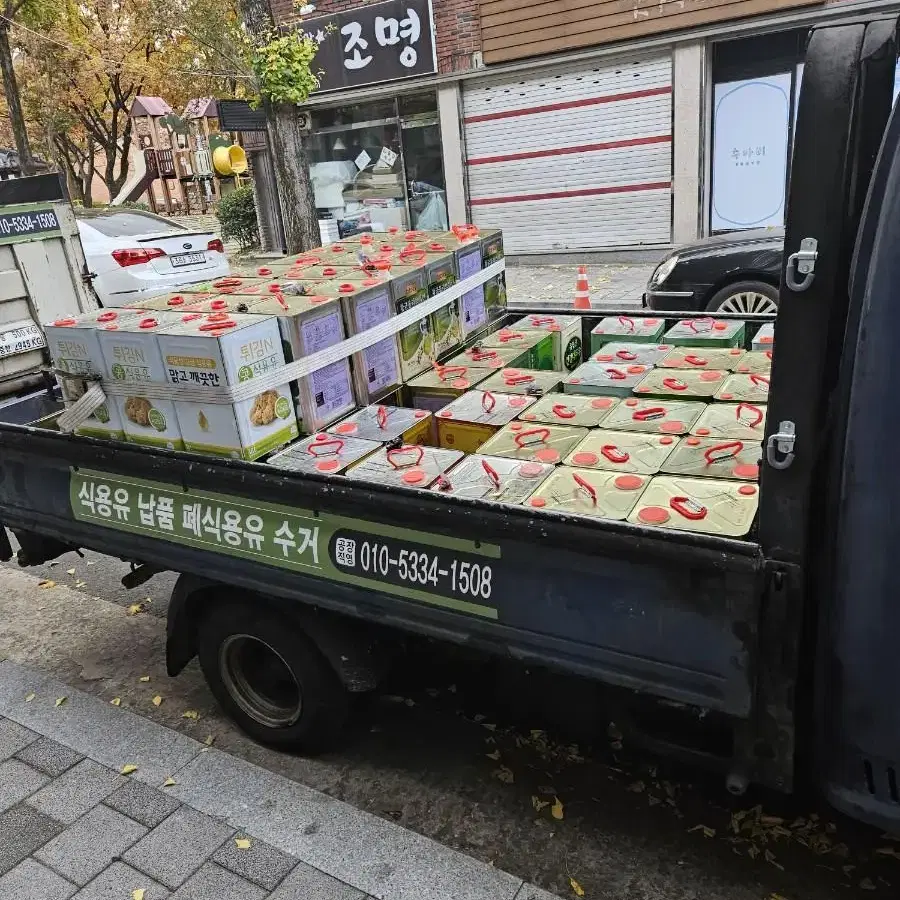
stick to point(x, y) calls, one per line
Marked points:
point(193, 161)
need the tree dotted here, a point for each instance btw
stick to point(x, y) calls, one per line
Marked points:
point(35, 12)
point(281, 63)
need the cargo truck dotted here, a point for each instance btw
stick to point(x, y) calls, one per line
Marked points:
point(787, 639)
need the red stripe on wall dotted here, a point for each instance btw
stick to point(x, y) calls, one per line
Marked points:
point(571, 104)
point(563, 151)
point(583, 192)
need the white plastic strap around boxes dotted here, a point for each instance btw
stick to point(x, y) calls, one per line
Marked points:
point(86, 405)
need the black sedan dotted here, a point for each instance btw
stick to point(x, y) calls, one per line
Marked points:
point(738, 273)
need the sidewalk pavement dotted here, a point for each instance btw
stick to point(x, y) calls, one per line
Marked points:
point(98, 803)
point(611, 286)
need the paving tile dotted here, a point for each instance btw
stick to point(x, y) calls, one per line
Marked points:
point(144, 804)
point(31, 881)
point(212, 882)
point(306, 882)
point(261, 864)
point(86, 848)
point(119, 882)
point(13, 738)
point(18, 781)
point(178, 846)
point(49, 757)
point(24, 830)
point(377, 857)
point(110, 735)
point(81, 788)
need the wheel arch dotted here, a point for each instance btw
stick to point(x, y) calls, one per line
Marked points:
point(736, 277)
point(352, 649)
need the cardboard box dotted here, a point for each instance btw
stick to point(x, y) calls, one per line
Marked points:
point(566, 334)
point(534, 382)
point(732, 421)
point(707, 505)
point(625, 353)
point(704, 457)
point(749, 388)
point(657, 416)
point(367, 303)
point(705, 331)
point(409, 465)
point(681, 383)
point(724, 359)
point(434, 389)
point(536, 344)
point(764, 339)
point(629, 452)
point(604, 379)
point(324, 454)
point(467, 422)
point(589, 492)
point(570, 409)
point(538, 442)
point(132, 356)
point(224, 349)
point(307, 325)
point(633, 329)
point(495, 478)
point(386, 424)
point(74, 346)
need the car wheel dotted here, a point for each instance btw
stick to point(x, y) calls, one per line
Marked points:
point(271, 678)
point(745, 297)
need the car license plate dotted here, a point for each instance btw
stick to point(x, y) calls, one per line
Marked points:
point(21, 340)
point(187, 259)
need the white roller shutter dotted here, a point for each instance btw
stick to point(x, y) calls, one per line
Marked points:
point(574, 158)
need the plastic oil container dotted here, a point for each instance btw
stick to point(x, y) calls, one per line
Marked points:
point(749, 388)
point(496, 478)
point(702, 457)
point(699, 384)
point(707, 505)
point(589, 492)
point(732, 421)
point(467, 422)
point(327, 454)
point(632, 329)
point(705, 331)
point(605, 379)
point(538, 442)
point(570, 409)
point(386, 424)
point(409, 465)
point(656, 416)
point(634, 452)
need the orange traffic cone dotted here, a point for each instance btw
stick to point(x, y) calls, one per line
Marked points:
point(582, 293)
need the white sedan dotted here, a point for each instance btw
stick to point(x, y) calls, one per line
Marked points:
point(136, 254)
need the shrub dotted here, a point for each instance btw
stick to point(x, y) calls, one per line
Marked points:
point(237, 213)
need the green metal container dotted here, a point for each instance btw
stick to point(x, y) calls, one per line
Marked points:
point(632, 452)
point(605, 379)
point(626, 353)
point(470, 420)
point(706, 505)
point(758, 361)
point(495, 296)
point(326, 454)
point(732, 421)
point(749, 388)
point(656, 416)
point(566, 333)
point(495, 478)
point(522, 381)
point(570, 409)
point(682, 383)
point(589, 492)
point(491, 357)
point(386, 424)
point(705, 331)
point(409, 465)
point(764, 339)
point(538, 442)
point(436, 388)
point(537, 344)
point(702, 457)
point(415, 344)
point(723, 359)
point(633, 329)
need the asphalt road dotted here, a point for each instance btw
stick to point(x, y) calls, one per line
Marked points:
point(474, 755)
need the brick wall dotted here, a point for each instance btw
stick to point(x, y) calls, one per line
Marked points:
point(456, 23)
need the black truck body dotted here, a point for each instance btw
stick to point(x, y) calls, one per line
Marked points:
point(788, 638)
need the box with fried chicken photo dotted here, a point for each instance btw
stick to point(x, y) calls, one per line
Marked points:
point(224, 350)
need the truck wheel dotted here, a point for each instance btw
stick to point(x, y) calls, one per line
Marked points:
point(745, 297)
point(271, 678)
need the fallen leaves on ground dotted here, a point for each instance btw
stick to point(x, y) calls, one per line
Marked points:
point(116, 701)
point(70, 571)
point(61, 700)
point(209, 740)
point(537, 803)
point(504, 774)
point(888, 851)
point(867, 884)
point(157, 700)
point(137, 608)
point(169, 782)
point(242, 843)
point(557, 809)
point(29, 698)
point(46, 584)
point(139, 893)
point(190, 714)
point(576, 887)
point(80, 584)
point(128, 769)
point(494, 756)
point(144, 678)
point(707, 831)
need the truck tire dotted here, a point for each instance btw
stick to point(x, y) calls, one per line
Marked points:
point(271, 679)
point(745, 297)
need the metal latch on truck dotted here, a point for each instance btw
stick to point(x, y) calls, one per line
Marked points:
point(804, 261)
point(780, 446)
